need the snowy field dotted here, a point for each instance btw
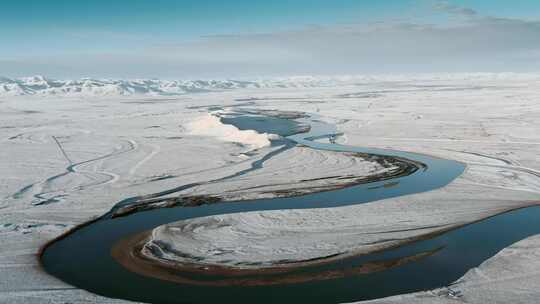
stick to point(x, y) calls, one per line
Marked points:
point(71, 150)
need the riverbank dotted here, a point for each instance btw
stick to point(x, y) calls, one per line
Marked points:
point(511, 276)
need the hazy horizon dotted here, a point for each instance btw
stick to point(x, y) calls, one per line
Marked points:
point(240, 39)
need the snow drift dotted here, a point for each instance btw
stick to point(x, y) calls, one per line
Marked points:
point(210, 125)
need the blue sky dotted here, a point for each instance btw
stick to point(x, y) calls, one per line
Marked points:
point(239, 38)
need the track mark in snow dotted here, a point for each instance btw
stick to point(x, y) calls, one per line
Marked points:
point(45, 188)
point(506, 161)
point(155, 150)
point(62, 149)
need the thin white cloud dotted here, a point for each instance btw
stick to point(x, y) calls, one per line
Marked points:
point(478, 44)
point(447, 7)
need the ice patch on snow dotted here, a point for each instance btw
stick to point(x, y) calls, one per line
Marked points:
point(210, 125)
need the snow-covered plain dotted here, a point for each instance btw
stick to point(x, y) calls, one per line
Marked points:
point(69, 157)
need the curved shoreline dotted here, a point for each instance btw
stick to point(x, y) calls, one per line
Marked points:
point(146, 204)
point(128, 253)
point(102, 229)
point(405, 168)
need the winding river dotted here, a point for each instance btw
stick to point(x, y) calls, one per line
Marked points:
point(83, 258)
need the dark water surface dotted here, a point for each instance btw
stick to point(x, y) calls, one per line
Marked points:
point(83, 258)
point(263, 124)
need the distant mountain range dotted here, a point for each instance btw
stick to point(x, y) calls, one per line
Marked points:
point(42, 86)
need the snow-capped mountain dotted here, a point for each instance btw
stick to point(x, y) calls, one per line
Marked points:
point(42, 86)
point(39, 85)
